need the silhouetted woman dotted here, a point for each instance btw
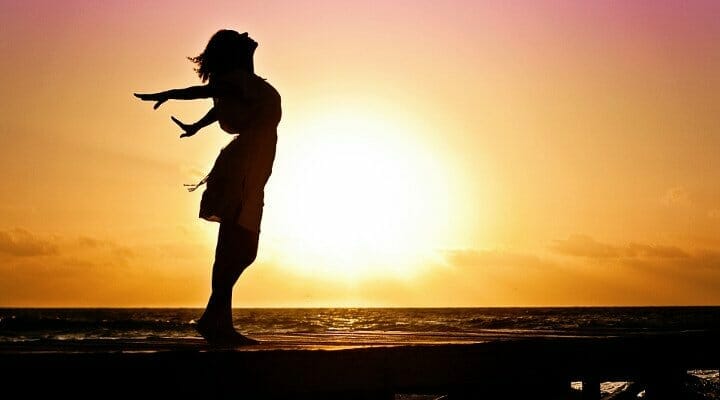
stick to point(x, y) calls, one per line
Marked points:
point(247, 106)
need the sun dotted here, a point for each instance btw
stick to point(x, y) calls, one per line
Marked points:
point(356, 196)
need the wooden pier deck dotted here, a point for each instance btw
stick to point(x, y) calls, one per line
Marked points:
point(528, 368)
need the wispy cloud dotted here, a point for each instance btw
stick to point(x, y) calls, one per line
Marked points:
point(21, 243)
point(587, 247)
point(118, 250)
point(705, 260)
point(38, 270)
point(582, 270)
point(655, 251)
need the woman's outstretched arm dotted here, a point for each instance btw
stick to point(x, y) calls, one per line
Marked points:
point(189, 93)
point(191, 129)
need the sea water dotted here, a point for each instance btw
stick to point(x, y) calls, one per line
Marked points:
point(442, 325)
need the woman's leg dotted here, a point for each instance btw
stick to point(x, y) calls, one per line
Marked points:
point(236, 250)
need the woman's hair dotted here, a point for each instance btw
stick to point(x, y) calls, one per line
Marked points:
point(226, 50)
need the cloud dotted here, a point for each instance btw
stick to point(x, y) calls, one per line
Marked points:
point(92, 244)
point(587, 247)
point(21, 243)
point(17, 246)
point(655, 251)
point(582, 270)
point(94, 271)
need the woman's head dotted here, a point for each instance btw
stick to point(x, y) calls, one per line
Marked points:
point(226, 50)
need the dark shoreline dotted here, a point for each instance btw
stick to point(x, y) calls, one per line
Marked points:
point(513, 368)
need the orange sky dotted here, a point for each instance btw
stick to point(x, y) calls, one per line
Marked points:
point(456, 153)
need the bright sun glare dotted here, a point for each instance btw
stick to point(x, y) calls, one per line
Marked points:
point(357, 197)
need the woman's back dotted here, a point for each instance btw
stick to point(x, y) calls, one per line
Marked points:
point(247, 103)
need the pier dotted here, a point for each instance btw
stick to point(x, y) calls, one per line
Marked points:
point(527, 368)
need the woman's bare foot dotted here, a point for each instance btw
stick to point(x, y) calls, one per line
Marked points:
point(207, 330)
point(214, 334)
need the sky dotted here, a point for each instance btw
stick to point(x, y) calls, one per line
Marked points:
point(431, 154)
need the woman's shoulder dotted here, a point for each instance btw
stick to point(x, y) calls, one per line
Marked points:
point(235, 76)
point(246, 82)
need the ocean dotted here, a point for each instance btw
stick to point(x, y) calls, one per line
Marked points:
point(441, 325)
point(358, 326)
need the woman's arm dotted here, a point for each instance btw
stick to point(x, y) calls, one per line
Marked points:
point(189, 93)
point(192, 129)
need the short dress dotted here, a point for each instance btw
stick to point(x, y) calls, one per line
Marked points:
point(235, 185)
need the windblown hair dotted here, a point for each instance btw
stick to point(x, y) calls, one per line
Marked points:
point(226, 50)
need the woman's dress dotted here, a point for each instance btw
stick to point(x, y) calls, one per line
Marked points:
point(249, 108)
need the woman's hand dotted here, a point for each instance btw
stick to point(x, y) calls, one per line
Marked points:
point(158, 98)
point(189, 129)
